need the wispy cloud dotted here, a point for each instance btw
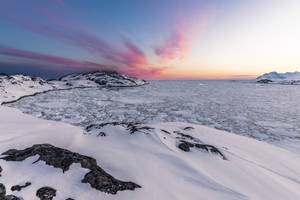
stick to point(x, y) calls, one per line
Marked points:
point(177, 44)
point(38, 57)
point(174, 46)
point(53, 24)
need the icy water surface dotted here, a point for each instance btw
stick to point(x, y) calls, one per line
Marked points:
point(264, 112)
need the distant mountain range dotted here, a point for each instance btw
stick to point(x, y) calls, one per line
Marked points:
point(288, 78)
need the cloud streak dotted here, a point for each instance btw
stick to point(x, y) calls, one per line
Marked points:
point(179, 42)
point(174, 46)
point(131, 60)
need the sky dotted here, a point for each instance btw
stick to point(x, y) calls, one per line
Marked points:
point(155, 39)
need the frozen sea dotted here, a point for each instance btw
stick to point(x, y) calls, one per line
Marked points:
point(265, 112)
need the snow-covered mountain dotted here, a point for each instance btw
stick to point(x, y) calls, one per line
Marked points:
point(161, 161)
point(291, 78)
point(13, 87)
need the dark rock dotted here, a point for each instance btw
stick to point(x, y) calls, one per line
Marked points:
point(2, 190)
point(167, 132)
point(70, 199)
point(264, 81)
point(184, 135)
point(184, 147)
point(104, 182)
point(187, 143)
point(101, 134)
point(46, 193)
point(0, 170)
point(11, 197)
point(131, 127)
point(20, 187)
point(63, 159)
point(210, 148)
point(188, 128)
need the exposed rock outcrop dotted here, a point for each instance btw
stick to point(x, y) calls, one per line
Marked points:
point(3, 195)
point(46, 193)
point(130, 127)
point(20, 187)
point(185, 146)
point(63, 159)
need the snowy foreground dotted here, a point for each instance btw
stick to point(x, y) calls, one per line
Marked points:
point(243, 168)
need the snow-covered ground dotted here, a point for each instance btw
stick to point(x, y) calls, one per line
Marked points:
point(288, 78)
point(151, 158)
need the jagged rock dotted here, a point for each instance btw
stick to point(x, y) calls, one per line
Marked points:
point(20, 187)
point(2, 190)
point(131, 127)
point(0, 170)
point(63, 159)
point(185, 146)
point(46, 193)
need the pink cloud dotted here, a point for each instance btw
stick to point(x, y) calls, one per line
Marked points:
point(173, 47)
point(55, 25)
point(179, 42)
point(28, 58)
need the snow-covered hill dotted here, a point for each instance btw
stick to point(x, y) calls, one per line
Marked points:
point(102, 78)
point(290, 78)
point(156, 161)
point(15, 86)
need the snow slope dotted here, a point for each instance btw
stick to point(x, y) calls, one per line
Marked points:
point(292, 78)
point(152, 159)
